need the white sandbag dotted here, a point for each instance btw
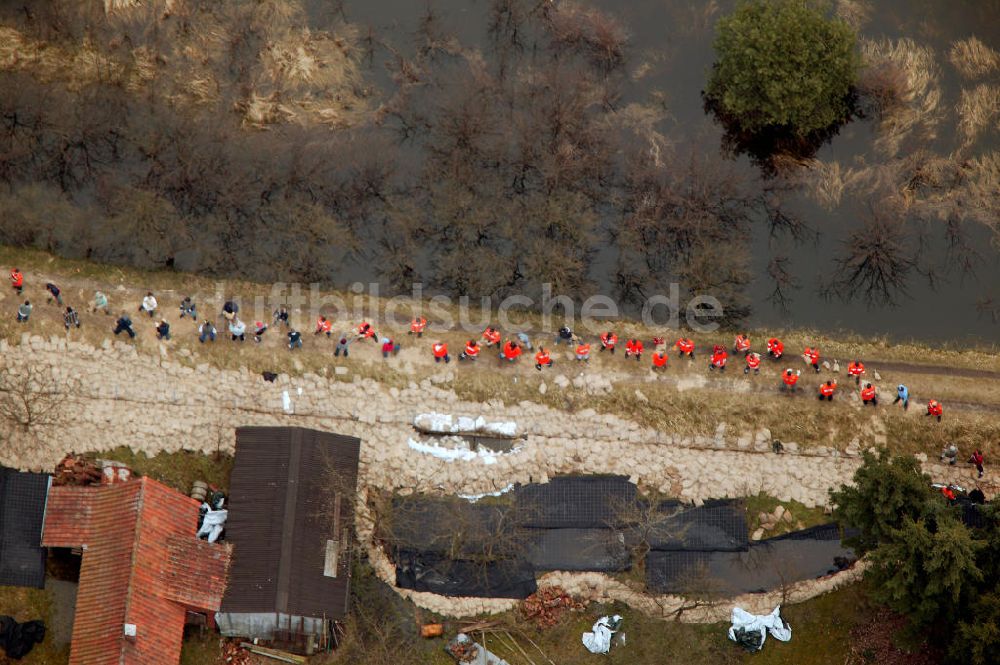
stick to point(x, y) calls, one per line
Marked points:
point(764, 623)
point(599, 639)
point(507, 429)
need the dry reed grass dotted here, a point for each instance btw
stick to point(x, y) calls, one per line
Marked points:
point(297, 74)
point(973, 59)
point(978, 110)
point(918, 114)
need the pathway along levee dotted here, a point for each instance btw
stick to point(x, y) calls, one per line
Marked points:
point(155, 404)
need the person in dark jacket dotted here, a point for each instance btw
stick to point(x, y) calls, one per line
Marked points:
point(54, 293)
point(124, 324)
point(188, 308)
point(294, 339)
point(163, 330)
point(71, 318)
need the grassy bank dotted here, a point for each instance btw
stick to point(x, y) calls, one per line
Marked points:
point(686, 400)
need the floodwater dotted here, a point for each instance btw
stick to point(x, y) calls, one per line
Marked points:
point(668, 57)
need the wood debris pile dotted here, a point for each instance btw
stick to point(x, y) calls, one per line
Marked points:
point(234, 654)
point(546, 606)
point(75, 470)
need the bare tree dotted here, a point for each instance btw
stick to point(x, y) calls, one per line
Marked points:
point(783, 280)
point(876, 263)
point(32, 397)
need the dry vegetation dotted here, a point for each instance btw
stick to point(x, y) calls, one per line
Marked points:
point(978, 110)
point(973, 59)
point(260, 57)
point(918, 114)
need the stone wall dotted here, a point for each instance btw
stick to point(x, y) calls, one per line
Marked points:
point(168, 403)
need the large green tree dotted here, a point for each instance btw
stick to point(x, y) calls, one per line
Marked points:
point(887, 490)
point(782, 65)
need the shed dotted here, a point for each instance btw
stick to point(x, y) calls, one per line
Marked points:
point(290, 517)
point(22, 511)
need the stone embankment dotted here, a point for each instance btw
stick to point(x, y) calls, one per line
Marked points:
point(170, 402)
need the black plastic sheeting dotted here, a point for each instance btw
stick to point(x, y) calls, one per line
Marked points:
point(717, 526)
point(452, 526)
point(578, 502)
point(422, 571)
point(597, 550)
point(22, 510)
point(18, 639)
point(765, 566)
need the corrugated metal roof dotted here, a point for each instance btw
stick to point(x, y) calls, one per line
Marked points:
point(279, 521)
point(22, 507)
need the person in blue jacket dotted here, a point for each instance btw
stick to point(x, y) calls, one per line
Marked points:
point(902, 395)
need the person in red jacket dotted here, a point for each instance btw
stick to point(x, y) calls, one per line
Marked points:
point(857, 370)
point(869, 395)
point(811, 356)
point(789, 379)
point(685, 347)
point(977, 459)
point(491, 336)
point(826, 390)
point(389, 347)
point(542, 359)
point(511, 351)
point(440, 350)
point(471, 351)
point(775, 348)
point(365, 331)
point(741, 344)
point(324, 325)
point(17, 280)
point(719, 358)
point(608, 341)
point(417, 326)
point(753, 363)
point(583, 352)
point(934, 409)
point(660, 360)
point(633, 347)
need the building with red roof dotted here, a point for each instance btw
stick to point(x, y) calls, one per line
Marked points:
point(143, 569)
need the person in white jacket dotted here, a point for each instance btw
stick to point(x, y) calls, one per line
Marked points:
point(148, 304)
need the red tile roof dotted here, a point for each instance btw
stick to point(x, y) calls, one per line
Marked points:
point(142, 565)
point(67, 516)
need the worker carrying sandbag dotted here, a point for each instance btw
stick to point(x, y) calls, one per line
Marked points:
point(491, 336)
point(789, 378)
point(857, 370)
point(511, 351)
point(417, 326)
point(775, 348)
point(471, 351)
point(685, 347)
point(719, 358)
point(826, 390)
point(934, 409)
point(608, 341)
point(440, 351)
point(811, 356)
point(741, 344)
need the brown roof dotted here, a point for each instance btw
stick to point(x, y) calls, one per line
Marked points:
point(134, 535)
point(280, 522)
